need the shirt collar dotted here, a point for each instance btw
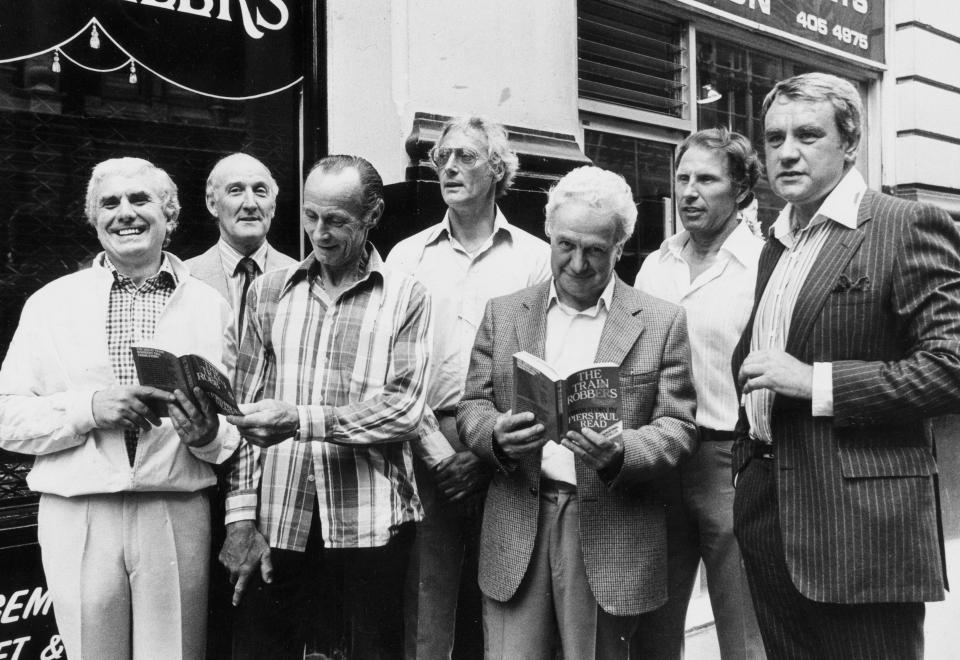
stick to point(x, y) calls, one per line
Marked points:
point(165, 275)
point(842, 206)
point(604, 302)
point(741, 244)
point(231, 257)
point(441, 231)
point(371, 268)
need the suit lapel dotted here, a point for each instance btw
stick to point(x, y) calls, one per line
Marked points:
point(769, 257)
point(840, 244)
point(209, 268)
point(532, 323)
point(622, 329)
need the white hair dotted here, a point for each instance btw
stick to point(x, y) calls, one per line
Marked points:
point(607, 193)
point(163, 186)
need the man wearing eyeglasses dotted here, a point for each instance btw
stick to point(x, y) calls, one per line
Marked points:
point(471, 256)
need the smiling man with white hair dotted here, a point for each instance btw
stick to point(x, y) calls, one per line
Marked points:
point(573, 546)
point(124, 524)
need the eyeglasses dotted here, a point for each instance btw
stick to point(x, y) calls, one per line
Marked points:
point(464, 155)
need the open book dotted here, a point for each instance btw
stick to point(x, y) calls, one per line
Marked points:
point(166, 371)
point(587, 398)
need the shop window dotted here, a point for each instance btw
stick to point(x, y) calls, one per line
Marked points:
point(741, 78)
point(647, 165)
point(630, 59)
point(55, 127)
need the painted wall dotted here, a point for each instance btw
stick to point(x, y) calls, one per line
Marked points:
point(925, 47)
point(513, 61)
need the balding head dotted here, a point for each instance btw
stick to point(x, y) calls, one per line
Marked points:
point(242, 196)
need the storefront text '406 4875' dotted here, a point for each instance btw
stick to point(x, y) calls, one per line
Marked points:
point(249, 10)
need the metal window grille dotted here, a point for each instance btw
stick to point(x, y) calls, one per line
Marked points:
point(630, 59)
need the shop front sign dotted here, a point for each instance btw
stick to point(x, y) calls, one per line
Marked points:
point(854, 27)
point(230, 49)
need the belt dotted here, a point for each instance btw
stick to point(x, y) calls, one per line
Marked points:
point(451, 412)
point(554, 486)
point(713, 435)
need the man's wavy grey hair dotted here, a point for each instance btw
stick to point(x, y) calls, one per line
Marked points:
point(607, 193)
point(817, 87)
point(159, 181)
point(501, 157)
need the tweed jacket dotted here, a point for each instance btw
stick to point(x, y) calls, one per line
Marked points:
point(622, 525)
point(856, 492)
point(208, 268)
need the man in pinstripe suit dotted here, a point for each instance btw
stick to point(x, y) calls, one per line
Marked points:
point(573, 545)
point(854, 342)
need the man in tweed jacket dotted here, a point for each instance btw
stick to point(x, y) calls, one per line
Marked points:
point(854, 342)
point(573, 545)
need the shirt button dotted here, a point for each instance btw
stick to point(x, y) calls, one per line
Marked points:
point(310, 477)
point(533, 490)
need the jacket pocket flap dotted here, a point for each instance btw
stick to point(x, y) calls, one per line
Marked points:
point(863, 463)
point(645, 378)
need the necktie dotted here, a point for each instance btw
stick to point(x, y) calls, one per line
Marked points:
point(250, 271)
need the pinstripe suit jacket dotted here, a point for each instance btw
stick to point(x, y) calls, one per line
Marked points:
point(208, 268)
point(856, 492)
point(622, 527)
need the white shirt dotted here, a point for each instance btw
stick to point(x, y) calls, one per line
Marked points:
point(802, 246)
point(460, 284)
point(718, 304)
point(58, 359)
point(571, 344)
point(230, 257)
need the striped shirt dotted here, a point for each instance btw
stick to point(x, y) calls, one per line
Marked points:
point(356, 368)
point(772, 323)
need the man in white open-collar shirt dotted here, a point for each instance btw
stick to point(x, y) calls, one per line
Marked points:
point(473, 255)
point(710, 269)
point(124, 524)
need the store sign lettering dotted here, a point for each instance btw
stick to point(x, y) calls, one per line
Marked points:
point(229, 49)
point(851, 26)
point(251, 22)
point(762, 5)
point(18, 606)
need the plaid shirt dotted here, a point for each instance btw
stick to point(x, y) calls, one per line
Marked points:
point(132, 313)
point(356, 368)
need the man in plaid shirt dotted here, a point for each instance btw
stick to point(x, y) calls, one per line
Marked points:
point(332, 368)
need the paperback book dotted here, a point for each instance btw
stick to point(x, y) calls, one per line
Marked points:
point(165, 371)
point(587, 398)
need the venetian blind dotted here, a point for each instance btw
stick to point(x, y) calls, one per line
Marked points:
point(628, 58)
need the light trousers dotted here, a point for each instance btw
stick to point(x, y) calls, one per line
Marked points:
point(127, 573)
point(554, 608)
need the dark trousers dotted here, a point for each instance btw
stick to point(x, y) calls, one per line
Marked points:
point(443, 601)
point(793, 626)
point(219, 608)
point(700, 526)
point(349, 599)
